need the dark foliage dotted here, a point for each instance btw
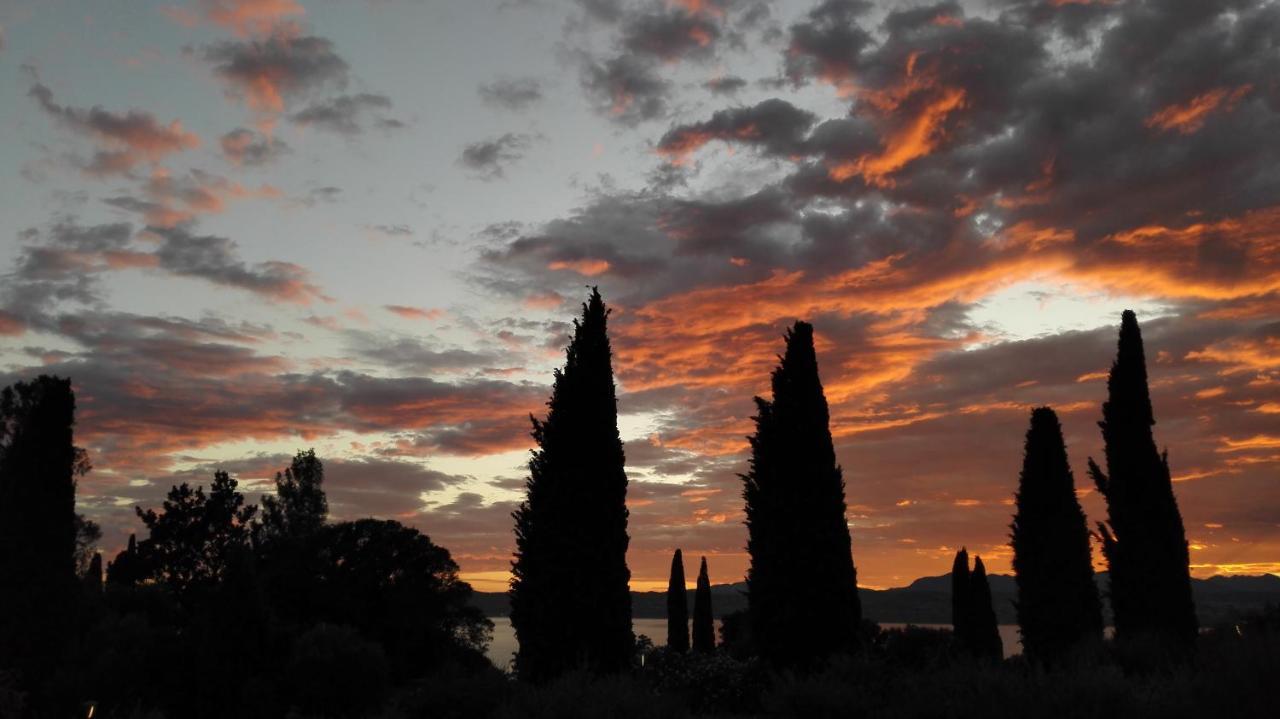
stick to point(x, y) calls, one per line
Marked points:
point(193, 538)
point(126, 569)
point(39, 464)
point(299, 507)
point(1059, 611)
point(335, 672)
point(1143, 540)
point(798, 539)
point(570, 603)
point(985, 639)
point(961, 624)
point(704, 629)
point(677, 607)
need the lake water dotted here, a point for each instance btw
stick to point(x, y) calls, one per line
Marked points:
point(503, 645)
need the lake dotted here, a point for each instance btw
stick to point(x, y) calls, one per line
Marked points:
point(503, 645)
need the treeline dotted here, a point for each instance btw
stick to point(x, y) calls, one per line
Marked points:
point(222, 608)
point(225, 608)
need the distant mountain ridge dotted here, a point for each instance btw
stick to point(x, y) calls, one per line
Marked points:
point(928, 600)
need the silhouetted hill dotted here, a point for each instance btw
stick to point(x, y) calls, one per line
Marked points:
point(928, 600)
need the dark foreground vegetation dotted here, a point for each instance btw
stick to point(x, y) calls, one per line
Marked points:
point(223, 608)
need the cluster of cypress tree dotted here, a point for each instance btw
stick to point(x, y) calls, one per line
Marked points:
point(1144, 543)
point(570, 600)
point(704, 631)
point(973, 618)
point(798, 536)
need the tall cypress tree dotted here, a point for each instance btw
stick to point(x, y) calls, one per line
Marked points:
point(960, 614)
point(126, 569)
point(801, 585)
point(1143, 540)
point(704, 629)
point(677, 607)
point(985, 632)
point(1058, 605)
point(39, 463)
point(570, 601)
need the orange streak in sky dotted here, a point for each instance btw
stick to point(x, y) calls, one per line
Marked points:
point(917, 139)
point(1191, 115)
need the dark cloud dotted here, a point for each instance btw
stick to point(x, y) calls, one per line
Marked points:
point(628, 89)
point(125, 139)
point(511, 93)
point(243, 146)
point(267, 72)
point(725, 85)
point(410, 355)
point(391, 230)
point(670, 34)
point(776, 126)
point(215, 259)
point(489, 159)
point(342, 114)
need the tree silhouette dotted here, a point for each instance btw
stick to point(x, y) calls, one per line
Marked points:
point(93, 575)
point(798, 538)
point(704, 630)
point(299, 506)
point(1143, 540)
point(39, 463)
point(984, 631)
point(677, 607)
point(1058, 605)
point(960, 614)
point(192, 540)
point(126, 569)
point(570, 601)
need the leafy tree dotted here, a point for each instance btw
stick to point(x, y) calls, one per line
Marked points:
point(88, 533)
point(960, 614)
point(193, 539)
point(798, 536)
point(299, 506)
point(677, 607)
point(704, 630)
point(1143, 540)
point(39, 464)
point(984, 637)
point(335, 672)
point(401, 590)
point(1058, 605)
point(570, 602)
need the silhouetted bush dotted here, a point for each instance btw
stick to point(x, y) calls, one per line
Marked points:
point(334, 672)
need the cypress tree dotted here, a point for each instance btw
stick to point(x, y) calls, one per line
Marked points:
point(126, 569)
point(704, 629)
point(570, 601)
point(960, 598)
point(93, 577)
point(1058, 605)
point(39, 463)
point(985, 633)
point(677, 607)
point(1143, 540)
point(801, 570)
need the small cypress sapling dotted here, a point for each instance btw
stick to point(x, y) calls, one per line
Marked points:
point(677, 607)
point(985, 632)
point(704, 630)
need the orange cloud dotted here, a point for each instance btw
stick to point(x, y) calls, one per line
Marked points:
point(585, 267)
point(1190, 116)
point(415, 313)
point(250, 16)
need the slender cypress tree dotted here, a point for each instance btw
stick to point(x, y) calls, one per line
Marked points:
point(570, 601)
point(798, 538)
point(1058, 605)
point(677, 607)
point(126, 569)
point(93, 577)
point(1144, 540)
point(960, 598)
point(39, 463)
point(704, 629)
point(985, 638)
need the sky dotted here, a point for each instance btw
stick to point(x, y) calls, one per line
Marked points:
point(249, 227)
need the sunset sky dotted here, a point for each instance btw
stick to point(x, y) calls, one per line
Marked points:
point(245, 227)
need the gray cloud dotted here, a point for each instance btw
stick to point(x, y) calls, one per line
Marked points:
point(511, 93)
point(342, 114)
point(243, 146)
point(490, 158)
